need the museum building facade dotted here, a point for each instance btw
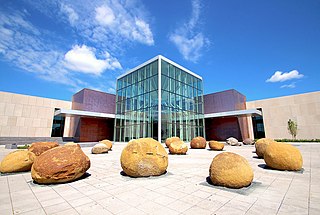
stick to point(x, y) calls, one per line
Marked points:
point(157, 99)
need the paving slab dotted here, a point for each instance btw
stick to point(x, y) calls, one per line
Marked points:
point(184, 189)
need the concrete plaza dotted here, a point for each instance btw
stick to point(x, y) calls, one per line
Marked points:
point(182, 190)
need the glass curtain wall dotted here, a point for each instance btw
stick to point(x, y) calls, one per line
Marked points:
point(181, 103)
point(137, 104)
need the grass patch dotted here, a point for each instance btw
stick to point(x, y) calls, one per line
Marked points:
point(298, 140)
point(26, 146)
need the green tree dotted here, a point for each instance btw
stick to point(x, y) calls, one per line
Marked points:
point(292, 128)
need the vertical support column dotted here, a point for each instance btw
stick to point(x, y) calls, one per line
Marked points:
point(159, 98)
point(250, 127)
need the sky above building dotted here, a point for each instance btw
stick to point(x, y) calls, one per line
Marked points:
point(263, 49)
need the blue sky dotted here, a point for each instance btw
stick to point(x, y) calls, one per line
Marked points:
point(262, 49)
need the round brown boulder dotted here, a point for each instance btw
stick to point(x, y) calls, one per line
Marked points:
point(215, 145)
point(261, 146)
point(108, 143)
point(99, 148)
point(39, 147)
point(230, 170)
point(60, 164)
point(17, 161)
point(178, 147)
point(198, 143)
point(283, 157)
point(171, 140)
point(144, 157)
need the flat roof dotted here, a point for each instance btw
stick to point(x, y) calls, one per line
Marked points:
point(68, 112)
point(249, 112)
point(159, 57)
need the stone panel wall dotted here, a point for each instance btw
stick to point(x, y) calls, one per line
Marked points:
point(302, 108)
point(28, 116)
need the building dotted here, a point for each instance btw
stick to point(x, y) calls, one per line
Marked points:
point(157, 99)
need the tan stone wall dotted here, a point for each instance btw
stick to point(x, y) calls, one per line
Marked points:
point(302, 108)
point(29, 116)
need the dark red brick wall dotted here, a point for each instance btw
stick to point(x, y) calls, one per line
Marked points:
point(95, 129)
point(86, 129)
point(223, 128)
point(94, 101)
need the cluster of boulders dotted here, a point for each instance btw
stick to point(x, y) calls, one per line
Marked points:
point(102, 147)
point(49, 163)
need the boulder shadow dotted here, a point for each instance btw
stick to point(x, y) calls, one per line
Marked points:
point(122, 173)
point(242, 191)
point(85, 175)
point(256, 157)
point(266, 167)
point(216, 150)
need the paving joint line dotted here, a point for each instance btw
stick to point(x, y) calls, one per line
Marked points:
point(285, 194)
point(10, 195)
point(34, 193)
point(310, 166)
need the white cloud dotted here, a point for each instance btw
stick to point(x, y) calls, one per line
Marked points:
point(105, 15)
point(292, 85)
point(190, 42)
point(83, 59)
point(120, 20)
point(279, 76)
point(107, 27)
point(69, 11)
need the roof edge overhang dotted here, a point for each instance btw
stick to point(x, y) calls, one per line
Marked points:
point(160, 57)
point(80, 113)
point(236, 113)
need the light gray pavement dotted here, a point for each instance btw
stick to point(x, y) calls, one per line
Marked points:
point(183, 190)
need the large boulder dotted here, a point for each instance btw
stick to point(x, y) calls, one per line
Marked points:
point(261, 146)
point(99, 148)
point(17, 161)
point(144, 157)
point(198, 143)
point(170, 140)
point(60, 164)
point(215, 145)
point(108, 143)
point(178, 147)
point(230, 170)
point(233, 141)
point(248, 141)
point(39, 147)
point(283, 157)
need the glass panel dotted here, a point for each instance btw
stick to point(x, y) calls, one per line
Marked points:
point(181, 104)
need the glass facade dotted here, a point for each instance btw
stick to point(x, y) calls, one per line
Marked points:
point(137, 103)
point(181, 103)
